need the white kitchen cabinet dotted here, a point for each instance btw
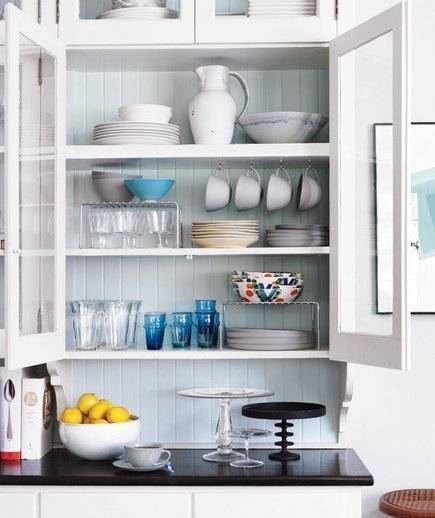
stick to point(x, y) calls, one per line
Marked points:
point(218, 22)
point(19, 504)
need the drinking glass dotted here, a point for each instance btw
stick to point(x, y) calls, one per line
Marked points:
point(205, 329)
point(126, 223)
point(181, 329)
point(246, 434)
point(155, 324)
point(120, 323)
point(216, 325)
point(86, 324)
point(205, 306)
point(101, 227)
point(160, 224)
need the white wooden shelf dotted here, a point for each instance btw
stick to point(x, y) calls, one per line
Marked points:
point(193, 354)
point(194, 252)
point(90, 155)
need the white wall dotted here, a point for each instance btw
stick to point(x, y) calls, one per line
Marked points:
point(392, 420)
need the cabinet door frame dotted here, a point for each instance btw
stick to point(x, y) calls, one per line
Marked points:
point(243, 29)
point(368, 349)
point(23, 351)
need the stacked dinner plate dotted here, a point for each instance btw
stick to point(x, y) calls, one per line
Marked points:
point(128, 132)
point(298, 235)
point(36, 136)
point(225, 233)
point(132, 10)
point(280, 8)
point(270, 339)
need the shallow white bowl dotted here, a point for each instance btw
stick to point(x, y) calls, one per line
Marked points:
point(283, 127)
point(99, 441)
point(154, 113)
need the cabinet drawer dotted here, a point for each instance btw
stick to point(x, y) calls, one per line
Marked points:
point(18, 505)
point(116, 504)
point(258, 503)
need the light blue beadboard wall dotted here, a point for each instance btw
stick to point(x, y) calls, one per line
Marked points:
point(96, 90)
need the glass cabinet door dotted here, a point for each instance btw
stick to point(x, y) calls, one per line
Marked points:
point(35, 169)
point(369, 193)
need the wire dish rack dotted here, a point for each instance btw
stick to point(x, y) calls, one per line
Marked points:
point(312, 317)
point(131, 225)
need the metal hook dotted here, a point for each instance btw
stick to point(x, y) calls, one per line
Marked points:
point(220, 164)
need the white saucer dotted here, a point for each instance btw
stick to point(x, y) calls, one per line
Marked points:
point(124, 464)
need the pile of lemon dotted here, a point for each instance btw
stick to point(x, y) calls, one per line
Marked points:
point(93, 410)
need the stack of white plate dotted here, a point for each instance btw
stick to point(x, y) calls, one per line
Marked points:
point(147, 12)
point(225, 233)
point(270, 339)
point(298, 235)
point(128, 132)
point(36, 136)
point(280, 8)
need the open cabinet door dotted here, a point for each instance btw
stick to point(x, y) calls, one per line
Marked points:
point(35, 177)
point(369, 193)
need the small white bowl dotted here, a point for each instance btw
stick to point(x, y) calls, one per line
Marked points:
point(148, 113)
point(99, 441)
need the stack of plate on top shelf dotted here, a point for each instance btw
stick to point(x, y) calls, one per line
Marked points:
point(138, 10)
point(270, 339)
point(37, 135)
point(280, 8)
point(298, 235)
point(128, 132)
point(225, 233)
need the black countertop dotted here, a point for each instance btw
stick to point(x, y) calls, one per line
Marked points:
point(315, 468)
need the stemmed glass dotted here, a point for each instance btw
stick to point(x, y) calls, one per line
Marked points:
point(246, 434)
point(160, 223)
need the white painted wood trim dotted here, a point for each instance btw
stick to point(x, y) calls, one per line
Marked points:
point(382, 351)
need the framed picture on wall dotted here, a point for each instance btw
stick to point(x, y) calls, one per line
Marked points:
point(422, 225)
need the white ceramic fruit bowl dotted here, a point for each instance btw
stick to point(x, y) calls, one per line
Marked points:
point(99, 441)
point(282, 127)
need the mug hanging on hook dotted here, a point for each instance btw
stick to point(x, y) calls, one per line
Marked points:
point(249, 192)
point(309, 190)
point(279, 190)
point(218, 191)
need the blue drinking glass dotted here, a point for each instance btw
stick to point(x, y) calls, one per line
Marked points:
point(155, 324)
point(205, 329)
point(205, 306)
point(181, 329)
point(216, 325)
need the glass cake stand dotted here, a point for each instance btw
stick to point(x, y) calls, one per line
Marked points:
point(224, 451)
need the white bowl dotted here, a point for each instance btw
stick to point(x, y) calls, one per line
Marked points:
point(153, 113)
point(99, 441)
point(283, 127)
point(309, 192)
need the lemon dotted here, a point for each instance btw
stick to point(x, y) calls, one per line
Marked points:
point(117, 414)
point(98, 411)
point(107, 402)
point(86, 402)
point(72, 416)
point(99, 421)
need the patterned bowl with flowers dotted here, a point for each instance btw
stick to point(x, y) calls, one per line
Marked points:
point(268, 288)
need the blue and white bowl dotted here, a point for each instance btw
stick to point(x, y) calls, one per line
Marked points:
point(283, 127)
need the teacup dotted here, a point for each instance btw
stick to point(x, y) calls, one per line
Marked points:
point(218, 191)
point(309, 190)
point(142, 454)
point(248, 191)
point(279, 191)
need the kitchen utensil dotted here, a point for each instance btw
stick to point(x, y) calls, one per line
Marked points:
point(205, 306)
point(99, 442)
point(182, 329)
point(205, 329)
point(149, 189)
point(213, 111)
point(119, 327)
point(279, 190)
point(146, 454)
point(131, 132)
point(218, 191)
point(282, 127)
point(124, 464)
point(246, 434)
point(111, 188)
point(87, 322)
point(153, 113)
point(128, 223)
point(224, 451)
point(160, 223)
point(155, 324)
point(9, 395)
point(284, 411)
point(216, 327)
point(248, 190)
point(309, 190)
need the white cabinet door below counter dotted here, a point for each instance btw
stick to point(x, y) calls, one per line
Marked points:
point(19, 505)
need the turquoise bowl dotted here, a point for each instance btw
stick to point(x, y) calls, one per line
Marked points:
point(149, 189)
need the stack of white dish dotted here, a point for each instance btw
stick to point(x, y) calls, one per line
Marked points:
point(279, 8)
point(37, 136)
point(225, 233)
point(138, 10)
point(270, 339)
point(298, 235)
point(129, 132)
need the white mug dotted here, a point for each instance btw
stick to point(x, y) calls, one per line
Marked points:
point(309, 190)
point(218, 191)
point(279, 190)
point(141, 454)
point(248, 190)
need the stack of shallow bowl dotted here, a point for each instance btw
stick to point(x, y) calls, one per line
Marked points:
point(139, 10)
point(110, 186)
point(257, 287)
point(298, 235)
point(280, 8)
point(225, 233)
point(270, 339)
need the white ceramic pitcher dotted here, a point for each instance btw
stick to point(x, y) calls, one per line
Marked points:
point(213, 111)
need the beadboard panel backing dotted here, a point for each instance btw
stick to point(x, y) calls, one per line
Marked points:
point(149, 388)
